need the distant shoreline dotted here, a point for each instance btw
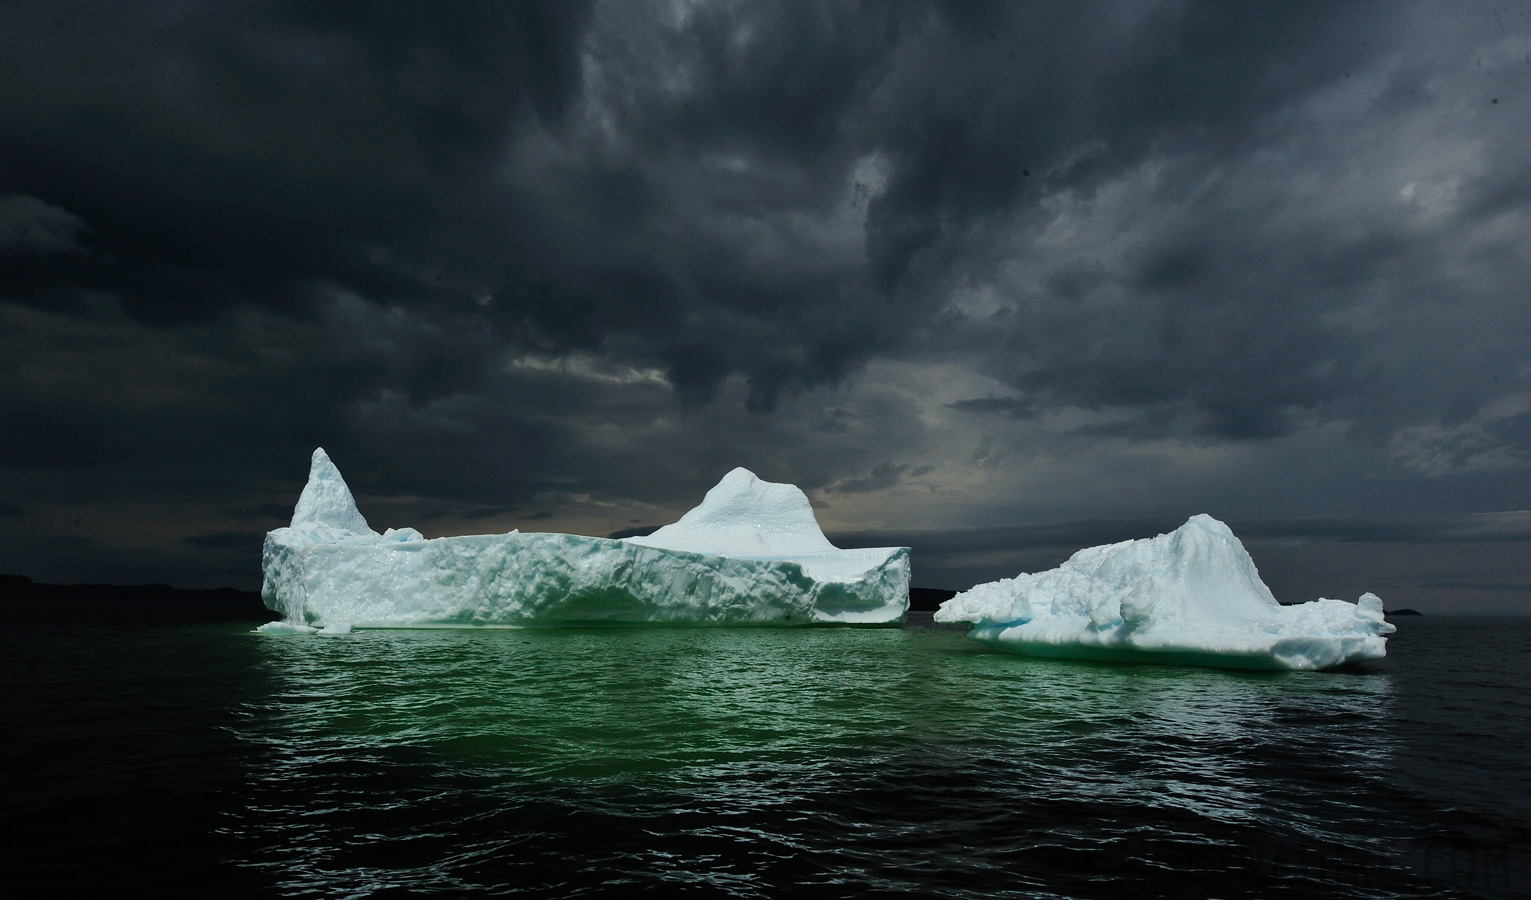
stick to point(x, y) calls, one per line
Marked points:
point(20, 587)
point(17, 588)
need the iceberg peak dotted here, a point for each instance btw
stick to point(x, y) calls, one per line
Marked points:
point(1212, 569)
point(326, 500)
point(744, 516)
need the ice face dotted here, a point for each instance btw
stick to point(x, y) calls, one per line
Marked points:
point(750, 554)
point(1191, 596)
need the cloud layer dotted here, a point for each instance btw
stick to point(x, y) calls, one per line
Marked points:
point(947, 266)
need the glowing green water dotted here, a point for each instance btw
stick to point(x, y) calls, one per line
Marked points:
point(204, 760)
point(671, 705)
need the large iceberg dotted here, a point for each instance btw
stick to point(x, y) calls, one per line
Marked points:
point(1192, 596)
point(750, 554)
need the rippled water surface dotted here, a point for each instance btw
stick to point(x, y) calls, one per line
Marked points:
point(199, 758)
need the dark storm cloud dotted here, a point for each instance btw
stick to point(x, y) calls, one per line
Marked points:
point(224, 540)
point(239, 153)
point(1507, 586)
point(1225, 322)
point(272, 511)
point(883, 476)
point(509, 260)
point(253, 154)
point(30, 226)
point(267, 153)
point(1015, 407)
point(1007, 97)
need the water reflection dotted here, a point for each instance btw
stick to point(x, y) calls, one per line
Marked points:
point(596, 704)
point(729, 756)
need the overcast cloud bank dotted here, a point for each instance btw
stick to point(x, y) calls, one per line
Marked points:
point(962, 268)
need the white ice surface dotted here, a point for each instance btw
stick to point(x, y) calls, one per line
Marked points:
point(1191, 596)
point(744, 516)
point(286, 627)
point(750, 554)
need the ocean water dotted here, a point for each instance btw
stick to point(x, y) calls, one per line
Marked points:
point(168, 749)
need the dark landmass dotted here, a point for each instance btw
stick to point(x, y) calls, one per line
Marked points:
point(928, 599)
point(20, 587)
point(643, 531)
point(110, 602)
point(924, 618)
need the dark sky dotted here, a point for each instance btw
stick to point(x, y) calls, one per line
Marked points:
point(995, 281)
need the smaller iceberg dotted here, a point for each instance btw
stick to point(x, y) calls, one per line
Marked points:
point(750, 554)
point(1190, 597)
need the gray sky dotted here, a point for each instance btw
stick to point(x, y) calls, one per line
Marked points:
point(994, 281)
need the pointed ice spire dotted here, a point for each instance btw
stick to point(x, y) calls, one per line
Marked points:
point(326, 500)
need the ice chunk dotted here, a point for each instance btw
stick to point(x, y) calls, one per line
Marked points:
point(750, 554)
point(286, 627)
point(1192, 596)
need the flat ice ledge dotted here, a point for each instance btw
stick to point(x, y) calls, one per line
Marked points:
point(330, 569)
point(1190, 597)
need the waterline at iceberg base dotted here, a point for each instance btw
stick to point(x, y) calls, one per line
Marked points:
point(1190, 597)
point(751, 554)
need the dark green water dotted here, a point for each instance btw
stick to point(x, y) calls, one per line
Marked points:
point(193, 757)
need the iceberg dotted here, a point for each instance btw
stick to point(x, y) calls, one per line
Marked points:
point(751, 554)
point(1189, 597)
